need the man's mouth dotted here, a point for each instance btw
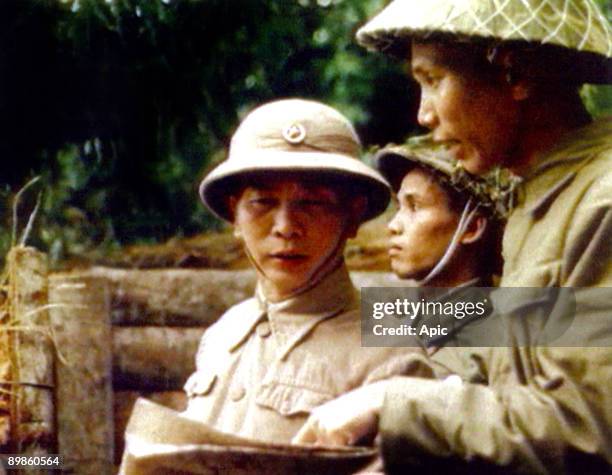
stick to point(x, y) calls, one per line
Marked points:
point(453, 147)
point(441, 138)
point(448, 143)
point(394, 249)
point(288, 256)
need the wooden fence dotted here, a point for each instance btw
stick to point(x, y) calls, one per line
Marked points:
point(97, 340)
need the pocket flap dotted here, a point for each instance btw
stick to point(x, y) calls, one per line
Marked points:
point(289, 400)
point(200, 383)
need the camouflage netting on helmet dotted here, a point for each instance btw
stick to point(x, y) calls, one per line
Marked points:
point(576, 27)
point(494, 192)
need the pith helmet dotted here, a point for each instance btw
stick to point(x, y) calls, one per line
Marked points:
point(578, 27)
point(296, 137)
point(493, 192)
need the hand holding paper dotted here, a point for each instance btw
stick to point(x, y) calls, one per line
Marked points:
point(345, 420)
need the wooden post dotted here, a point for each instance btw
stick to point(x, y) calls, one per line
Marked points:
point(5, 367)
point(81, 319)
point(31, 383)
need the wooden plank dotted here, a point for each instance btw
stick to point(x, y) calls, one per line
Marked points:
point(174, 297)
point(32, 429)
point(190, 298)
point(80, 316)
point(154, 358)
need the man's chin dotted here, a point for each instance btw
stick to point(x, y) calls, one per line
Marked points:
point(476, 166)
point(409, 274)
point(471, 160)
point(480, 164)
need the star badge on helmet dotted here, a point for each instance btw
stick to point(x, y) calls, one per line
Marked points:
point(294, 133)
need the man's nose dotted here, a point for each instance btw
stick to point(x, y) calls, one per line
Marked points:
point(427, 114)
point(394, 226)
point(286, 223)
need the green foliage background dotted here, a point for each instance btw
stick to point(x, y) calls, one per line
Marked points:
point(121, 105)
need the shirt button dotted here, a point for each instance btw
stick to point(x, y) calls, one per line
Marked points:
point(237, 393)
point(549, 384)
point(263, 330)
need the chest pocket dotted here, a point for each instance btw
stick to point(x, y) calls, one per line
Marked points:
point(290, 400)
point(291, 388)
point(214, 366)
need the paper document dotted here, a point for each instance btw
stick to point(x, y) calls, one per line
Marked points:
point(160, 440)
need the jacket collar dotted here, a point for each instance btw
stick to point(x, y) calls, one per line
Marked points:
point(292, 319)
point(576, 146)
point(557, 169)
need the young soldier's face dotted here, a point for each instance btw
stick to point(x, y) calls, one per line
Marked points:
point(477, 116)
point(291, 229)
point(423, 226)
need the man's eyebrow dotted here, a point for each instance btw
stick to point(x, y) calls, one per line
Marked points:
point(425, 65)
point(260, 187)
point(316, 188)
point(405, 195)
point(418, 69)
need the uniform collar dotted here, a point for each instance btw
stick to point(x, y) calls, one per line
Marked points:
point(558, 168)
point(575, 146)
point(294, 318)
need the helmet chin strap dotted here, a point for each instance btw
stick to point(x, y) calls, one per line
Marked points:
point(467, 216)
point(331, 263)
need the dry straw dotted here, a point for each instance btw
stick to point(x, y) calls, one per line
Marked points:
point(16, 321)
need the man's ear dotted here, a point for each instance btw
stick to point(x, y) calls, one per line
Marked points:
point(358, 208)
point(232, 203)
point(475, 230)
point(520, 88)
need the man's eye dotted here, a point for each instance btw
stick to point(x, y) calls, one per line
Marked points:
point(431, 81)
point(410, 204)
point(261, 202)
point(427, 79)
point(312, 203)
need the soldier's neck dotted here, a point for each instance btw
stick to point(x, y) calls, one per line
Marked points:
point(454, 276)
point(544, 125)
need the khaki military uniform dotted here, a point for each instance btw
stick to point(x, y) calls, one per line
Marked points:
point(264, 366)
point(454, 353)
point(542, 409)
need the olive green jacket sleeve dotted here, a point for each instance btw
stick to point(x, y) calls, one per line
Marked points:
point(543, 409)
point(558, 421)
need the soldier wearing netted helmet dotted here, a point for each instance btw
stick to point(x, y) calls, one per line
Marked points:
point(447, 228)
point(500, 87)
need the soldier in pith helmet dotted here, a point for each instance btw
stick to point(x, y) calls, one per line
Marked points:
point(294, 189)
point(500, 87)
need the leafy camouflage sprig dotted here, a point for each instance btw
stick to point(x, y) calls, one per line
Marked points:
point(495, 191)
